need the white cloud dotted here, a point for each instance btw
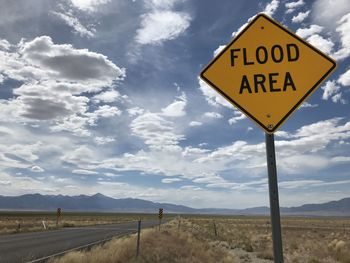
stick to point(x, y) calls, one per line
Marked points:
point(343, 28)
point(45, 101)
point(271, 7)
point(301, 152)
point(162, 4)
point(306, 184)
point(298, 184)
point(190, 187)
point(4, 44)
point(235, 119)
point(282, 134)
point(341, 159)
point(65, 63)
point(171, 180)
point(195, 123)
point(79, 124)
point(300, 17)
point(103, 140)
point(218, 50)
point(306, 32)
point(84, 172)
point(25, 184)
point(291, 6)
point(37, 169)
point(330, 89)
point(176, 109)
point(135, 111)
point(74, 124)
point(104, 111)
point(327, 13)
point(328, 129)
point(212, 115)
point(74, 22)
point(193, 152)
point(212, 96)
point(89, 5)
point(107, 96)
point(81, 156)
point(53, 78)
point(325, 45)
point(303, 162)
point(156, 131)
point(339, 98)
point(160, 26)
point(344, 79)
point(308, 105)
point(18, 155)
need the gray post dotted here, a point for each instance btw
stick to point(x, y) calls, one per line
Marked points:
point(274, 202)
point(215, 231)
point(138, 238)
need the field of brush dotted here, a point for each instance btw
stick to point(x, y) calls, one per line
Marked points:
point(305, 239)
point(200, 238)
point(207, 239)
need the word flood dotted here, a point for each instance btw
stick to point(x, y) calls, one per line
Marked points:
point(263, 55)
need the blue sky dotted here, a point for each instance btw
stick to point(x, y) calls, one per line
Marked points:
point(105, 96)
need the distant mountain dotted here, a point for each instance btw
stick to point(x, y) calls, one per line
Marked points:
point(97, 202)
point(341, 207)
point(102, 203)
point(333, 208)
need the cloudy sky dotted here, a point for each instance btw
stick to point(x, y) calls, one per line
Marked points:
point(104, 96)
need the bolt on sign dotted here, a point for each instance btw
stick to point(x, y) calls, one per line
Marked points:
point(267, 72)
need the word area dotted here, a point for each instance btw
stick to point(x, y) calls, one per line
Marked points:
point(271, 82)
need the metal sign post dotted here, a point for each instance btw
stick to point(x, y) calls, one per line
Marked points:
point(160, 215)
point(274, 201)
point(138, 238)
point(58, 215)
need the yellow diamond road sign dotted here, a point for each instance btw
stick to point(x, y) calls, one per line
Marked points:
point(267, 72)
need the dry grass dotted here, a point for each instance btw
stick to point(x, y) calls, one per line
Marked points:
point(236, 239)
point(168, 245)
point(325, 240)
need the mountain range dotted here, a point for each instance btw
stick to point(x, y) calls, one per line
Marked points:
point(102, 203)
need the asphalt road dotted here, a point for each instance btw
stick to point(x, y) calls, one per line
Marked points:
point(26, 247)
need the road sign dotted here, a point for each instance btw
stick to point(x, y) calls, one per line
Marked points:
point(267, 72)
point(160, 213)
point(58, 212)
point(58, 215)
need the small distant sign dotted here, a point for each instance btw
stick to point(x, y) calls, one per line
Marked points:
point(58, 212)
point(160, 213)
point(267, 72)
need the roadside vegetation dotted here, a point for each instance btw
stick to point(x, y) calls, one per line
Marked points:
point(167, 245)
point(227, 239)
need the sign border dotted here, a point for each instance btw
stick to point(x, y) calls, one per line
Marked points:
point(310, 91)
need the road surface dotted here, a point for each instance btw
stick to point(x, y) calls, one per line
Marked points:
point(27, 247)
